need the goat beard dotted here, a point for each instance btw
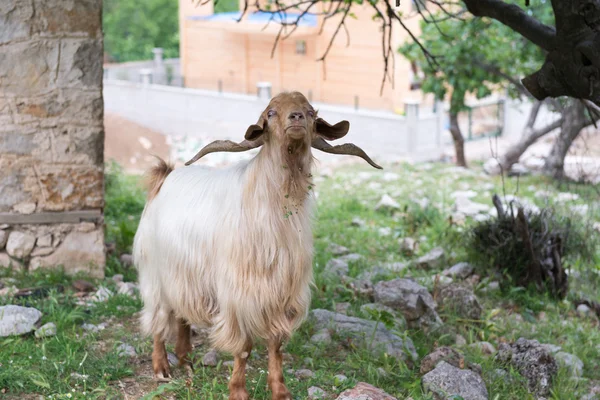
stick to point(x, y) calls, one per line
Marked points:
point(297, 159)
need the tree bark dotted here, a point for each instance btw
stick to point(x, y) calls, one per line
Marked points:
point(529, 137)
point(458, 139)
point(573, 123)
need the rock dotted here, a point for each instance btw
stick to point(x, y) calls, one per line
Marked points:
point(433, 259)
point(518, 170)
point(358, 222)
point(411, 299)
point(378, 336)
point(211, 358)
point(102, 294)
point(492, 167)
point(459, 271)
point(128, 288)
point(18, 320)
point(350, 258)
point(8, 291)
point(571, 362)
point(230, 364)
point(42, 251)
point(44, 241)
point(337, 250)
point(447, 380)
point(491, 287)
point(322, 336)
point(83, 286)
point(459, 299)
point(408, 245)
point(441, 280)
point(94, 328)
point(86, 227)
point(316, 393)
point(533, 361)
point(338, 379)
point(584, 311)
point(126, 260)
point(19, 244)
point(387, 204)
point(304, 374)
point(460, 340)
point(396, 266)
point(469, 208)
point(79, 377)
point(443, 353)
point(364, 391)
point(7, 261)
point(24, 208)
point(336, 266)
point(385, 231)
point(551, 348)
point(78, 252)
point(486, 348)
point(126, 350)
point(117, 278)
point(3, 239)
point(46, 330)
point(4, 226)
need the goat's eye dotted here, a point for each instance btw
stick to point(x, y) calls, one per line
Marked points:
point(311, 113)
point(271, 113)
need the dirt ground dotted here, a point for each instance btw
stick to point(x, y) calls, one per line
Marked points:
point(132, 145)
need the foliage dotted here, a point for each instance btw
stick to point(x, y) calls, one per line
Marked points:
point(226, 6)
point(470, 52)
point(133, 28)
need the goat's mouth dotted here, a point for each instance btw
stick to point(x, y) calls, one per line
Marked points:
point(295, 131)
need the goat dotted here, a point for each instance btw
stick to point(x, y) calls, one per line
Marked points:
point(231, 249)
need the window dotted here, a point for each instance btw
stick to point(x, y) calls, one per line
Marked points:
point(300, 47)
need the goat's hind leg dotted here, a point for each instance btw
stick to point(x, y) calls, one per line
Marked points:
point(275, 380)
point(237, 383)
point(183, 347)
point(160, 362)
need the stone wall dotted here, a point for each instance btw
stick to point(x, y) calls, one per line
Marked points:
point(51, 135)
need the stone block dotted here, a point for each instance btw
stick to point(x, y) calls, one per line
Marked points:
point(15, 20)
point(72, 17)
point(20, 244)
point(79, 64)
point(78, 252)
point(71, 188)
point(29, 67)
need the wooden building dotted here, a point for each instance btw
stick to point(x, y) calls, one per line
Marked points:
point(219, 53)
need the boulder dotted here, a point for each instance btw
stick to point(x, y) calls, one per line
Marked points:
point(19, 244)
point(459, 299)
point(459, 271)
point(432, 260)
point(364, 391)
point(446, 381)
point(571, 362)
point(46, 330)
point(18, 320)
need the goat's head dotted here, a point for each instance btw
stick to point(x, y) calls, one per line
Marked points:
point(291, 123)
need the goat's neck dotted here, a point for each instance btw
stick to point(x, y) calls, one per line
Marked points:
point(284, 173)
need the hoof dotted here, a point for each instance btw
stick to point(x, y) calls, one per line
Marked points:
point(160, 377)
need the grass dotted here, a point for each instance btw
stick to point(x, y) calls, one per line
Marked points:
point(30, 366)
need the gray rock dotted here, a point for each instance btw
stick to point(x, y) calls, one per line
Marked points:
point(102, 294)
point(533, 361)
point(396, 266)
point(173, 360)
point(342, 307)
point(94, 328)
point(17, 320)
point(126, 350)
point(316, 393)
point(211, 358)
point(358, 222)
point(387, 204)
point(19, 244)
point(126, 260)
point(230, 364)
point(449, 355)
point(467, 207)
point(128, 288)
point(338, 379)
point(584, 311)
point(432, 260)
point(446, 380)
point(379, 338)
point(460, 340)
point(459, 271)
point(411, 299)
point(461, 300)
point(322, 336)
point(304, 374)
point(408, 245)
point(46, 330)
point(336, 266)
point(117, 278)
point(571, 362)
point(486, 348)
point(337, 250)
point(491, 287)
point(3, 238)
point(79, 377)
point(352, 257)
point(44, 241)
point(364, 391)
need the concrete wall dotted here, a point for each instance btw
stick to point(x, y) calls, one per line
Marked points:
point(211, 115)
point(51, 135)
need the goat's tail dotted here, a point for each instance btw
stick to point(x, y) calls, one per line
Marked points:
point(156, 176)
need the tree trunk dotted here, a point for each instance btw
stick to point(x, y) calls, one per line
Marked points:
point(459, 141)
point(529, 137)
point(574, 120)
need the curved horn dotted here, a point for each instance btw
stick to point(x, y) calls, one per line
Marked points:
point(346, 148)
point(226, 145)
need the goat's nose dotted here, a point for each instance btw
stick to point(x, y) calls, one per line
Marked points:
point(296, 115)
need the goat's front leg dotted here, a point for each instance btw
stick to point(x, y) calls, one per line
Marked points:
point(237, 383)
point(160, 362)
point(275, 380)
point(183, 347)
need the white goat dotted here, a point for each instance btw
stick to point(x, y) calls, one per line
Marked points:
point(232, 249)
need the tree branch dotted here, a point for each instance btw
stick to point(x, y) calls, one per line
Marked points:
point(515, 18)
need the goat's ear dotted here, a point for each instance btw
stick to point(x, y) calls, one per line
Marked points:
point(331, 132)
point(256, 130)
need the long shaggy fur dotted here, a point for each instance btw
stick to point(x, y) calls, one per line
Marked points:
point(228, 249)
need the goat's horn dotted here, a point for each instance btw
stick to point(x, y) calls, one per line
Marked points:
point(226, 145)
point(346, 148)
